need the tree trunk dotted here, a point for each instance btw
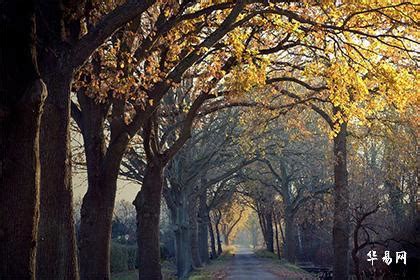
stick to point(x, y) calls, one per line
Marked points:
point(95, 228)
point(290, 237)
point(147, 205)
point(20, 182)
point(180, 221)
point(226, 239)
point(56, 255)
point(219, 241)
point(261, 221)
point(341, 224)
point(98, 202)
point(254, 233)
point(356, 261)
point(212, 241)
point(203, 223)
point(269, 232)
point(277, 236)
point(23, 94)
point(196, 260)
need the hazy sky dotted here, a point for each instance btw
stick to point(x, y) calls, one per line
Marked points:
point(126, 190)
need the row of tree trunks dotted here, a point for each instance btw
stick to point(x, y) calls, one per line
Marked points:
point(266, 223)
point(59, 30)
point(56, 253)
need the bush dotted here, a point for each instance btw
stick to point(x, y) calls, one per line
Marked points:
point(262, 253)
point(132, 260)
point(123, 257)
point(119, 258)
point(229, 250)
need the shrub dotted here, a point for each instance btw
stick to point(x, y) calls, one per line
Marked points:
point(132, 260)
point(119, 258)
point(123, 257)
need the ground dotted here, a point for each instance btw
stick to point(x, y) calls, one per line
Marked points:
point(244, 264)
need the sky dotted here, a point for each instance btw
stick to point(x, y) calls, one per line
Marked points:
point(126, 190)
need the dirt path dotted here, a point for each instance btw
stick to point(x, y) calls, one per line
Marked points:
point(246, 266)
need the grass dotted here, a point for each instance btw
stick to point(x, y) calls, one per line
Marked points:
point(208, 272)
point(126, 275)
point(215, 269)
point(269, 255)
point(168, 273)
point(265, 254)
point(229, 250)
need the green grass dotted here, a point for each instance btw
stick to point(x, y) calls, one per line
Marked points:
point(215, 267)
point(200, 275)
point(168, 273)
point(127, 275)
point(265, 254)
point(229, 250)
point(293, 267)
point(269, 255)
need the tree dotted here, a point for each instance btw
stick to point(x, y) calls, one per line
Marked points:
point(234, 215)
point(365, 89)
point(23, 93)
point(60, 33)
point(150, 98)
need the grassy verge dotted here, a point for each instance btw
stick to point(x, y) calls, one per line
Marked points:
point(168, 273)
point(126, 275)
point(269, 255)
point(216, 269)
point(266, 254)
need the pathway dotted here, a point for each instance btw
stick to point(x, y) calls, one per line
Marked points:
point(246, 266)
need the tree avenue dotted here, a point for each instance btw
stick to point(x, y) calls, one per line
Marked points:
point(232, 120)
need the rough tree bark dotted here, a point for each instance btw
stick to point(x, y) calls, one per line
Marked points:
point(56, 256)
point(290, 237)
point(95, 228)
point(276, 222)
point(147, 205)
point(98, 203)
point(341, 224)
point(183, 249)
point(196, 260)
point(212, 241)
point(265, 219)
point(216, 226)
point(203, 224)
point(23, 93)
point(269, 231)
point(178, 205)
point(63, 52)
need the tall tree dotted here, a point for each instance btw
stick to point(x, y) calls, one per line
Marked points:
point(23, 93)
